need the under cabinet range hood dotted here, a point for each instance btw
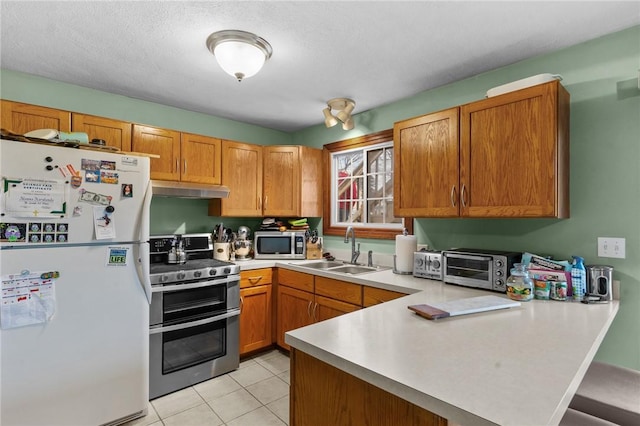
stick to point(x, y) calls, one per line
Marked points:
point(165, 188)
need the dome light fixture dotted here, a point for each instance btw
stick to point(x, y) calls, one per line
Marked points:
point(239, 53)
point(345, 107)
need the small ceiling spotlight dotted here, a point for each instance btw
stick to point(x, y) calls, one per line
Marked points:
point(239, 53)
point(345, 107)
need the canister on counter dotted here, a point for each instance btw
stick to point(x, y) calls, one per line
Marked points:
point(541, 289)
point(558, 290)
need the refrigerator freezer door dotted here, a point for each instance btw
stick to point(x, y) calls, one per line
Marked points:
point(90, 194)
point(89, 364)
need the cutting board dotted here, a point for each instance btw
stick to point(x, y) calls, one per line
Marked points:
point(470, 305)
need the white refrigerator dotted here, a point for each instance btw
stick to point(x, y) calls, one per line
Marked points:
point(74, 319)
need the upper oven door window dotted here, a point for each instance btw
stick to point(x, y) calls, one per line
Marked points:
point(274, 245)
point(191, 304)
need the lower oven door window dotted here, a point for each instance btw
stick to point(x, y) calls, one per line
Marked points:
point(195, 345)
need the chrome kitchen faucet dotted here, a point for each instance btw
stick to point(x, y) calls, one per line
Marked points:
point(354, 253)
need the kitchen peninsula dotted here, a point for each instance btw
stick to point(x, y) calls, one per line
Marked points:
point(519, 366)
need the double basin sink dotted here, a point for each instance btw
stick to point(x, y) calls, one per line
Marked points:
point(341, 267)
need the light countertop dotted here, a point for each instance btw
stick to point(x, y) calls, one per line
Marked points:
point(517, 366)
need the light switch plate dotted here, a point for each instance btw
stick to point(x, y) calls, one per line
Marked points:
point(611, 247)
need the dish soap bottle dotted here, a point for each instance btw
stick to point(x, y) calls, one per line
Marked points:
point(519, 283)
point(578, 278)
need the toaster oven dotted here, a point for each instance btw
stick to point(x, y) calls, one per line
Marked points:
point(484, 269)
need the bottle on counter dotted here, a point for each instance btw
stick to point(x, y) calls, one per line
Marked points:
point(578, 278)
point(519, 283)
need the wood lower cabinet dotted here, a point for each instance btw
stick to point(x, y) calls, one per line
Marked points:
point(321, 391)
point(304, 299)
point(505, 156)
point(373, 296)
point(294, 311)
point(114, 132)
point(22, 118)
point(256, 318)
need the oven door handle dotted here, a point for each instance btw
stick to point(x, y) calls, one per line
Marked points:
point(229, 314)
point(200, 284)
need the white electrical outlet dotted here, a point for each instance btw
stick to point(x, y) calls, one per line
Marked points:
point(611, 247)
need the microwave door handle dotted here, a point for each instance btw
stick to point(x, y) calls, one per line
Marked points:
point(167, 288)
point(230, 314)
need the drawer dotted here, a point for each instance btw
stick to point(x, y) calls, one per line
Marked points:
point(372, 296)
point(339, 290)
point(255, 277)
point(295, 279)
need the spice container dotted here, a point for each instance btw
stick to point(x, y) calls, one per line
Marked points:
point(519, 283)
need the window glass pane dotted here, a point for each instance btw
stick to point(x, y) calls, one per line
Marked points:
point(362, 191)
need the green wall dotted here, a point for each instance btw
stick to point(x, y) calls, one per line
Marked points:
point(602, 77)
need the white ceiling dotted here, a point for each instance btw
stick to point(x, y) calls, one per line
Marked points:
point(375, 52)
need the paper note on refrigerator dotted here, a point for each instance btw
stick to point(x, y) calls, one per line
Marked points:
point(27, 298)
point(34, 197)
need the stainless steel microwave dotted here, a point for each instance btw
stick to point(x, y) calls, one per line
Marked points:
point(485, 269)
point(279, 245)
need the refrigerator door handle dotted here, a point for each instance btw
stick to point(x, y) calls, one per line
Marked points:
point(142, 255)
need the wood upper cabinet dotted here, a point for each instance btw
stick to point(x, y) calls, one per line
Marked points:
point(183, 156)
point(514, 154)
point(242, 174)
point(256, 320)
point(292, 183)
point(510, 158)
point(22, 118)
point(163, 142)
point(426, 165)
point(201, 159)
point(114, 132)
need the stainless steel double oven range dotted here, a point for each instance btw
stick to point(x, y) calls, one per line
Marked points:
point(194, 315)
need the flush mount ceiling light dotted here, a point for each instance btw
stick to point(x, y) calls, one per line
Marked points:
point(239, 53)
point(345, 107)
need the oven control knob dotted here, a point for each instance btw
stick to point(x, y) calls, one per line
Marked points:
point(499, 283)
point(499, 263)
point(499, 273)
point(436, 264)
point(212, 272)
point(227, 270)
point(164, 278)
point(420, 262)
point(181, 275)
point(197, 274)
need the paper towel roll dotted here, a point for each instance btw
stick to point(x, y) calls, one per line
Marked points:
point(406, 245)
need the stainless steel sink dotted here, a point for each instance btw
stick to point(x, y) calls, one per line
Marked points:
point(354, 269)
point(325, 264)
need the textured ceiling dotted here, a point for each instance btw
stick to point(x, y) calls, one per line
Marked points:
point(375, 52)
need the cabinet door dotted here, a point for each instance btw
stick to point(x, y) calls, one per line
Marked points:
point(114, 132)
point(242, 173)
point(163, 142)
point(325, 308)
point(281, 181)
point(255, 318)
point(201, 159)
point(514, 154)
point(22, 118)
point(311, 191)
point(294, 311)
point(426, 165)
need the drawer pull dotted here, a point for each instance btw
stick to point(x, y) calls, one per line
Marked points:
point(254, 280)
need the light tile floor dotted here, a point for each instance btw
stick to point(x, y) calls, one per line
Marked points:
point(256, 394)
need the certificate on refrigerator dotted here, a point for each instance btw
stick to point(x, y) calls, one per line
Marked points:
point(34, 197)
